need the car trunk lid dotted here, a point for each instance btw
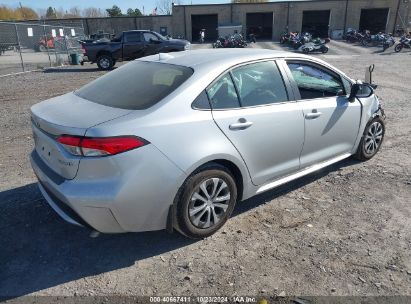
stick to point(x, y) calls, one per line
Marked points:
point(66, 115)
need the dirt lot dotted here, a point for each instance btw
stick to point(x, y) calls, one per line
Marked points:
point(343, 231)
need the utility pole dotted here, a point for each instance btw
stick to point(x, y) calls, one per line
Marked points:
point(345, 17)
point(396, 17)
point(288, 17)
point(21, 10)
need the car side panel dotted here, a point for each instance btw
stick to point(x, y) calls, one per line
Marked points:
point(189, 138)
point(370, 109)
point(331, 123)
point(271, 146)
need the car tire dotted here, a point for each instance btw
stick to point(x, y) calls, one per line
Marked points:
point(371, 140)
point(324, 50)
point(205, 201)
point(105, 62)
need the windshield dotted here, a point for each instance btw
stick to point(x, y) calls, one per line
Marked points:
point(137, 85)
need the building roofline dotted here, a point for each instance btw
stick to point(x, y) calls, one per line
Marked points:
point(81, 18)
point(259, 3)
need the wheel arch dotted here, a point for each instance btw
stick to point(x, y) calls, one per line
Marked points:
point(104, 52)
point(235, 172)
point(238, 170)
point(230, 165)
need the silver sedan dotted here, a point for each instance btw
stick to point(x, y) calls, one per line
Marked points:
point(175, 141)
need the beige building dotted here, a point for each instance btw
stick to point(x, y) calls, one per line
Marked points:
point(266, 20)
point(270, 19)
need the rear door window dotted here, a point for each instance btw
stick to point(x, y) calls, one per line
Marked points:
point(133, 37)
point(222, 93)
point(137, 85)
point(259, 84)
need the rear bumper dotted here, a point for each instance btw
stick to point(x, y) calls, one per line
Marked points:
point(128, 192)
point(52, 188)
point(65, 212)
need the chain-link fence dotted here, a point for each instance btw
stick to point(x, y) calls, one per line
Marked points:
point(30, 46)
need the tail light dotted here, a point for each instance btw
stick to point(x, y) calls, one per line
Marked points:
point(83, 49)
point(100, 146)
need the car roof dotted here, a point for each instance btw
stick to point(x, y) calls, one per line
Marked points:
point(131, 31)
point(212, 58)
point(215, 61)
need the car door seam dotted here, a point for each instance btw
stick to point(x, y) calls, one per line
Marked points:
point(225, 135)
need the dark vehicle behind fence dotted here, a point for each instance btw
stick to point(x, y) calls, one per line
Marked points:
point(131, 45)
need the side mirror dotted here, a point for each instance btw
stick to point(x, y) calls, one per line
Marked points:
point(360, 91)
point(354, 90)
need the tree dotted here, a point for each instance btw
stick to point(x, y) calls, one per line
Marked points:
point(7, 13)
point(93, 12)
point(73, 12)
point(26, 13)
point(51, 13)
point(115, 11)
point(135, 13)
point(60, 13)
point(165, 7)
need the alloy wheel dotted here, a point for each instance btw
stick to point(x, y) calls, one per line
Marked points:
point(105, 63)
point(373, 138)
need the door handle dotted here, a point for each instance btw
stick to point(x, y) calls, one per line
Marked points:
point(241, 124)
point(313, 115)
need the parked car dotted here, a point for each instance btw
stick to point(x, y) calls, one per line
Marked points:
point(175, 141)
point(100, 36)
point(130, 45)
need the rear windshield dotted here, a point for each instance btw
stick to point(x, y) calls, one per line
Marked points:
point(137, 85)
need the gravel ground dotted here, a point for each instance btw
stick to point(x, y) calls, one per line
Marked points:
point(344, 231)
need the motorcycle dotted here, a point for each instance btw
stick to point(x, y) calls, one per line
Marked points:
point(300, 40)
point(405, 42)
point(286, 37)
point(233, 41)
point(352, 36)
point(388, 42)
point(373, 39)
point(317, 45)
point(219, 43)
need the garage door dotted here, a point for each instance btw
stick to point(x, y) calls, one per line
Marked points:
point(209, 23)
point(316, 23)
point(374, 20)
point(260, 24)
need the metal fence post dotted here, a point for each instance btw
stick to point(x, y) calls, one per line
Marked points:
point(18, 41)
point(55, 52)
point(65, 44)
point(45, 39)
